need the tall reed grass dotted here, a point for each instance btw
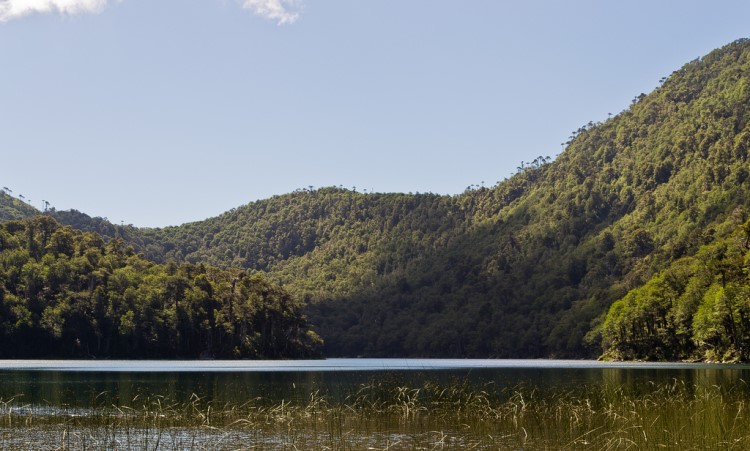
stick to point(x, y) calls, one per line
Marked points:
point(383, 415)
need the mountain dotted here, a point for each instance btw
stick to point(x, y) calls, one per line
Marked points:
point(526, 268)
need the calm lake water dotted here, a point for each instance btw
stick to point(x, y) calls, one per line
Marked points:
point(97, 383)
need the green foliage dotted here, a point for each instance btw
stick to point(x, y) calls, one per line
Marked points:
point(519, 269)
point(698, 308)
point(64, 293)
point(12, 208)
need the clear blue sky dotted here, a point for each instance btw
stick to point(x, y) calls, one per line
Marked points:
point(159, 112)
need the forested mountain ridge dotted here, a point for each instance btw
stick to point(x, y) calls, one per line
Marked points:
point(520, 269)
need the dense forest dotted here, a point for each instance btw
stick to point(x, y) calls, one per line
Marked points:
point(528, 267)
point(65, 293)
point(697, 308)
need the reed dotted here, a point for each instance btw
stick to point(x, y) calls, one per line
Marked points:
point(383, 415)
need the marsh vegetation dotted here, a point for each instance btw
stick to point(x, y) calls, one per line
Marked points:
point(384, 414)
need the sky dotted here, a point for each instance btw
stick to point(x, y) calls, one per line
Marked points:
point(161, 112)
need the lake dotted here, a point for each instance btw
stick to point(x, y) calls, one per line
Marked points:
point(79, 382)
point(372, 402)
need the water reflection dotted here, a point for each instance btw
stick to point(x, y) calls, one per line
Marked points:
point(92, 388)
point(698, 377)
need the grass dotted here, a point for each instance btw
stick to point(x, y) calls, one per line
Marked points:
point(383, 415)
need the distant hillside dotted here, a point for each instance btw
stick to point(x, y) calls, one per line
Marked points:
point(13, 208)
point(525, 268)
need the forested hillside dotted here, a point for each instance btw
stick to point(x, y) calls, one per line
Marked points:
point(65, 293)
point(12, 208)
point(525, 268)
point(699, 307)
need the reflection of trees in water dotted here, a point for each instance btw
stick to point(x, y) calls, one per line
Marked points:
point(643, 380)
point(89, 389)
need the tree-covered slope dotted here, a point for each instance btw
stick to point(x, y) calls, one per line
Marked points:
point(520, 269)
point(13, 208)
point(65, 293)
point(697, 308)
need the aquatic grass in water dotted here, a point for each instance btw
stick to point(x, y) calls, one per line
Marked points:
point(384, 415)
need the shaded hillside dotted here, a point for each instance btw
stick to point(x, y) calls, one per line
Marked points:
point(520, 269)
